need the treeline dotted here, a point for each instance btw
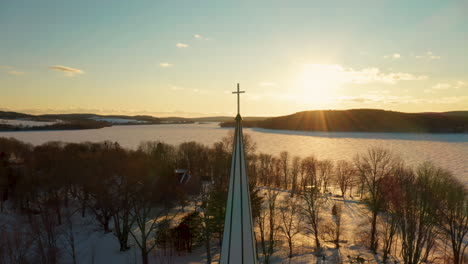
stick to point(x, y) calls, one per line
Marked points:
point(65, 125)
point(412, 211)
point(131, 193)
point(364, 120)
point(136, 195)
point(84, 121)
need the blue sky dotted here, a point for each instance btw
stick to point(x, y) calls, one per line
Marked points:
point(184, 57)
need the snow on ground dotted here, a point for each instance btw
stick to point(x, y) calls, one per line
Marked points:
point(354, 212)
point(118, 120)
point(24, 122)
point(95, 246)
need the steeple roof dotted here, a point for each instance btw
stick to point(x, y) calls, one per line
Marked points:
point(238, 240)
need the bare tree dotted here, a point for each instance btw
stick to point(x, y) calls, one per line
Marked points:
point(344, 175)
point(336, 213)
point(277, 173)
point(16, 244)
point(417, 213)
point(249, 144)
point(374, 165)
point(3, 179)
point(44, 228)
point(149, 220)
point(290, 222)
point(325, 169)
point(309, 173)
point(152, 210)
point(69, 235)
point(392, 197)
point(267, 225)
point(311, 209)
point(203, 207)
point(452, 211)
point(122, 189)
point(295, 171)
point(284, 165)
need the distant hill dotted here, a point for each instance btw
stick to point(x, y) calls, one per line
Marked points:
point(226, 118)
point(354, 120)
point(83, 121)
point(456, 113)
point(365, 120)
point(14, 115)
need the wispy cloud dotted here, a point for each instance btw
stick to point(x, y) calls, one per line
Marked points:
point(198, 36)
point(441, 86)
point(445, 86)
point(15, 72)
point(267, 84)
point(69, 71)
point(394, 100)
point(177, 88)
point(393, 56)
point(182, 45)
point(338, 74)
point(428, 56)
point(459, 84)
point(370, 98)
point(166, 64)
point(11, 70)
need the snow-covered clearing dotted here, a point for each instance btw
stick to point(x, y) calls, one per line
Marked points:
point(24, 123)
point(118, 120)
point(95, 246)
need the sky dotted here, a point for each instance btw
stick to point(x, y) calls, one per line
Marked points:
point(184, 58)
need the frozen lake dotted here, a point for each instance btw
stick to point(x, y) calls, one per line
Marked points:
point(447, 150)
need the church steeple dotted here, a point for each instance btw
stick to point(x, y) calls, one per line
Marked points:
point(238, 239)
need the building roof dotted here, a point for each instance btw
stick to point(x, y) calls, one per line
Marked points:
point(238, 240)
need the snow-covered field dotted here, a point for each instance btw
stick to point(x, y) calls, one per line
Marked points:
point(118, 120)
point(94, 246)
point(24, 123)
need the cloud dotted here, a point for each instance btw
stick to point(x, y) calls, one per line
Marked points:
point(182, 45)
point(165, 64)
point(394, 56)
point(428, 56)
point(441, 86)
point(69, 71)
point(459, 84)
point(267, 84)
point(393, 100)
point(337, 74)
point(177, 88)
point(15, 72)
point(445, 86)
point(11, 70)
point(374, 99)
point(198, 36)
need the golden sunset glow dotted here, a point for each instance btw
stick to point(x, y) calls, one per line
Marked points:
point(303, 56)
point(320, 82)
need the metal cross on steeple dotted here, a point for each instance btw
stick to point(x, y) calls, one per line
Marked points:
point(238, 237)
point(238, 92)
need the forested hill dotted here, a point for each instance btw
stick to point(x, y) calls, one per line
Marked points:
point(78, 121)
point(364, 120)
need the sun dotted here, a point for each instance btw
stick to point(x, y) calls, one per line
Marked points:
point(318, 82)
